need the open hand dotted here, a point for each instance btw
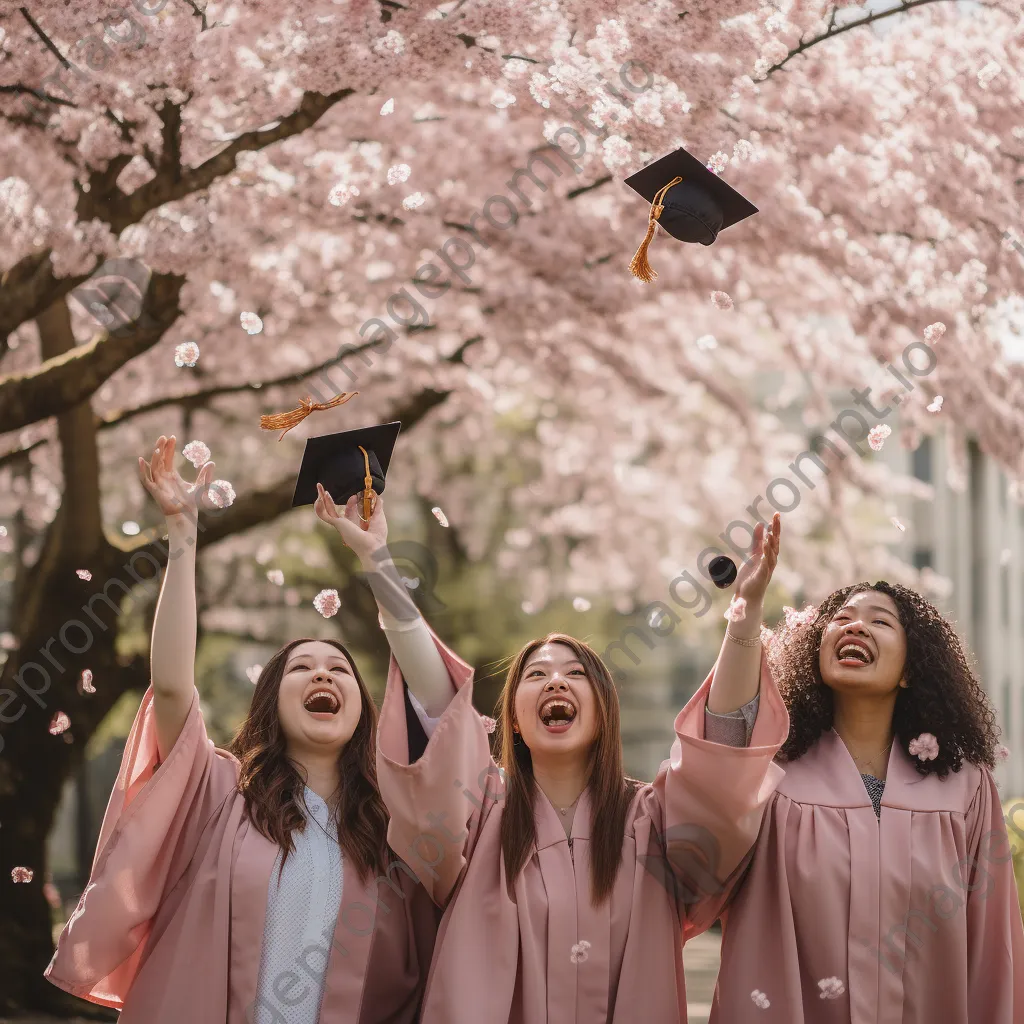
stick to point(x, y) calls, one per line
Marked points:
point(756, 572)
point(170, 491)
point(363, 538)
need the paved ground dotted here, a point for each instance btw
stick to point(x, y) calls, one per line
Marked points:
point(700, 961)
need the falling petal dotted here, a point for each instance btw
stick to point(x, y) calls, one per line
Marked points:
point(1002, 753)
point(388, 108)
point(877, 435)
point(130, 528)
point(186, 354)
point(197, 453)
point(581, 604)
point(411, 582)
point(276, 576)
point(341, 194)
point(925, 747)
point(936, 404)
point(21, 875)
point(398, 173)
point(83, 574)
point(721, 300)
point(439, 515)
point(718, 161)
point(8, 642)
point(707, 342)
point(327, 603)
point(899, 526)
point(489, 724)
point(529, 608)
point(59, 723)
point(253, 672)
point(831, 988)
point(221, 494)
point(85, 682)
point(502, 98)
point(251, 323)
point(934, 331)
point(794, 619)
point(416, 200)
point(737, 610)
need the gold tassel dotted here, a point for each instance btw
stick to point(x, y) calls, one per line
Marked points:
point(367, 490)
point(286, 420)
point(639, 265)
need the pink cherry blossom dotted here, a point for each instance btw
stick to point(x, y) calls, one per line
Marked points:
point(578, 954)
point(197, 453)
point(489, 723)
point(831, 988)
point(83, 574)
point(251, 323)
point(276, 576)
point(59, 723)
point(186, 354)
point(737, 610)
point(341, 193)
point(253, 673)
point(221, 493)
point(933, 332)
point(398, 174)
point(877, 435)
point(721, 300)
point(899, 525)
point(21, 875)
point(925, 747)
point(327, 603)
point(581, 604)
point(440, 516)
point(718, 161)
point(85, 681)
point(936, 404)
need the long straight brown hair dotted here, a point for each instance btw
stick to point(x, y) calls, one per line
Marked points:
point(610, 790)
point(272, 784)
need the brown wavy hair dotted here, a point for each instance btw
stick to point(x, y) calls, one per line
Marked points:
point(272, 783)
point(943, 695)
point(610, 789)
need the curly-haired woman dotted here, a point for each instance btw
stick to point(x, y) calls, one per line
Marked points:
point(251, 885)
point(880, 890)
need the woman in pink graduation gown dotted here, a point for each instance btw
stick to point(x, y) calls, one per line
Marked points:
point(568, 888)
point(881, 889)
point(250, 886)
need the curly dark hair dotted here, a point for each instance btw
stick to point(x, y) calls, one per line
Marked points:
point(943, 696)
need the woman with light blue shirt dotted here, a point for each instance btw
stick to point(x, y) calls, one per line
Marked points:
point(252, 885)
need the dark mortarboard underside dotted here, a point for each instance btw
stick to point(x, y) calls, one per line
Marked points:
point(335, 461)
point(688, 200)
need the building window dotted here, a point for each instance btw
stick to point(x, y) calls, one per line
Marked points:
point(921, 460)
point(923, 558)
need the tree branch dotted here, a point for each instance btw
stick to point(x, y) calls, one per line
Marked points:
point(65, 381)
point(199, 12)
point(38, 93)
point(832, 31)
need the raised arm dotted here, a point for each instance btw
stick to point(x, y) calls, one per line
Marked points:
point(411, 643)
point(173, 649)
point(738, 669)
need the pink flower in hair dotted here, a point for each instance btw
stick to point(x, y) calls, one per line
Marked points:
point(925, 747)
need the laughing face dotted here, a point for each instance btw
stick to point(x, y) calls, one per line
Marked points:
point(555, 706)
point(864, 647)
point(318, 701)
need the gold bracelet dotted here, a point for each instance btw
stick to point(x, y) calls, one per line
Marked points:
point(753, 641)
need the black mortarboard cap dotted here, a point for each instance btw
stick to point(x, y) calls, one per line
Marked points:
point(335, 461)
point(722, 570)
point(688, 200)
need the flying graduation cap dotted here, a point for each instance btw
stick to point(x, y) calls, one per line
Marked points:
point(352, 462)
point(688, 200)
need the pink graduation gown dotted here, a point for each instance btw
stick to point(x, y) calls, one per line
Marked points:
point(502, 962)
point(914, 915)
point(170, 926)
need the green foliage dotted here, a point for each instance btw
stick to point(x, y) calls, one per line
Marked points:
point(1013, 811)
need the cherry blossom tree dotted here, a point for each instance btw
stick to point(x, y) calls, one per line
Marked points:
point(425, 205)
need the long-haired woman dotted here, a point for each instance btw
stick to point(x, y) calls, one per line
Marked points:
point(880, 890)
point(251, 884)
point(567, 887)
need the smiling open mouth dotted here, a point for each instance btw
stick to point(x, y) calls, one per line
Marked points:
point(322, 702)
point(557, 714)
point(852, 653)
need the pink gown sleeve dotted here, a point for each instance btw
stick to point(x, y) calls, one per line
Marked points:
point(151, 829)
point(711, 798)
point(995, 934)
point(437, 804)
